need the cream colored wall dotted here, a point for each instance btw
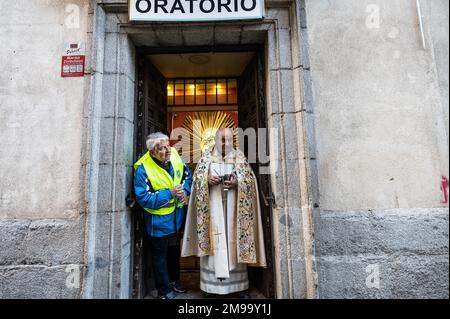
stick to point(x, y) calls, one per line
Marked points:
point(40, 112)
point(380, 122)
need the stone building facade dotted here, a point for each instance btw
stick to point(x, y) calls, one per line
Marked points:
point(357, 91)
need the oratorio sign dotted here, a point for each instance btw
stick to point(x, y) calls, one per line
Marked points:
point(195, 10)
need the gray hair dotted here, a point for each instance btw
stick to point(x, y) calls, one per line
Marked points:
point(154, 139)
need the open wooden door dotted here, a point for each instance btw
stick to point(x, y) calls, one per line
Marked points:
point(151, 116)
point(252, 113)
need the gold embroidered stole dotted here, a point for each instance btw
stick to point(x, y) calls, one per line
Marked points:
point(246, 199)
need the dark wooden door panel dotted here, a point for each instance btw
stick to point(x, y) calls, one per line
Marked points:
point(252, 113)
point(151, 117)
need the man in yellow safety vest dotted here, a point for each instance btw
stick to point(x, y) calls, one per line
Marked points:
point(162, 184)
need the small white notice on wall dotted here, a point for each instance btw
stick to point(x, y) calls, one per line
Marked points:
point(195, 10)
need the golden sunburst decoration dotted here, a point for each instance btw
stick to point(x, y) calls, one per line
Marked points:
point(200, 130)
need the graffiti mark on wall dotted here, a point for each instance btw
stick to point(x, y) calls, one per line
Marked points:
point(444, 190)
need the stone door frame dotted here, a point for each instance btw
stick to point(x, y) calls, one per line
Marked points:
point(109, 118)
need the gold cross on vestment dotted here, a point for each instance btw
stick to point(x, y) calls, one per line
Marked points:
point(217, 233)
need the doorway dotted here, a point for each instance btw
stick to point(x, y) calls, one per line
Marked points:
point(209, 86)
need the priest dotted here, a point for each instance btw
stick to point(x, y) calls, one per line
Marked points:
point(223, 222)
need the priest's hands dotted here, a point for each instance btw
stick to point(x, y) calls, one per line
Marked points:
point(232, 183)
point(214, 180)
point(217, 180)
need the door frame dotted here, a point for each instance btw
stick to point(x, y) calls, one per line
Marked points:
point(139, 242)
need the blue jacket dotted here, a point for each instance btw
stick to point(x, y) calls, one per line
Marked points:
point(160, 225)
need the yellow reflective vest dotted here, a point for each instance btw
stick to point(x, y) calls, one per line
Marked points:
point(160, 179)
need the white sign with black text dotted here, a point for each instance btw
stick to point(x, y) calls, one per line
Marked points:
point(195, 10)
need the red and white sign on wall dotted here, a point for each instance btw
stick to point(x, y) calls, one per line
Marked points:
point(72, 66)
point(73, 61)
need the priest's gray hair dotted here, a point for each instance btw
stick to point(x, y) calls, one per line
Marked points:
point(154, 139)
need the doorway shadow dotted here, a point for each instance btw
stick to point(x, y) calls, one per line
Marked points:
point(191, 278)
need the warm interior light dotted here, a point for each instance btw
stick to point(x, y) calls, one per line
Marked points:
point(207, 91)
